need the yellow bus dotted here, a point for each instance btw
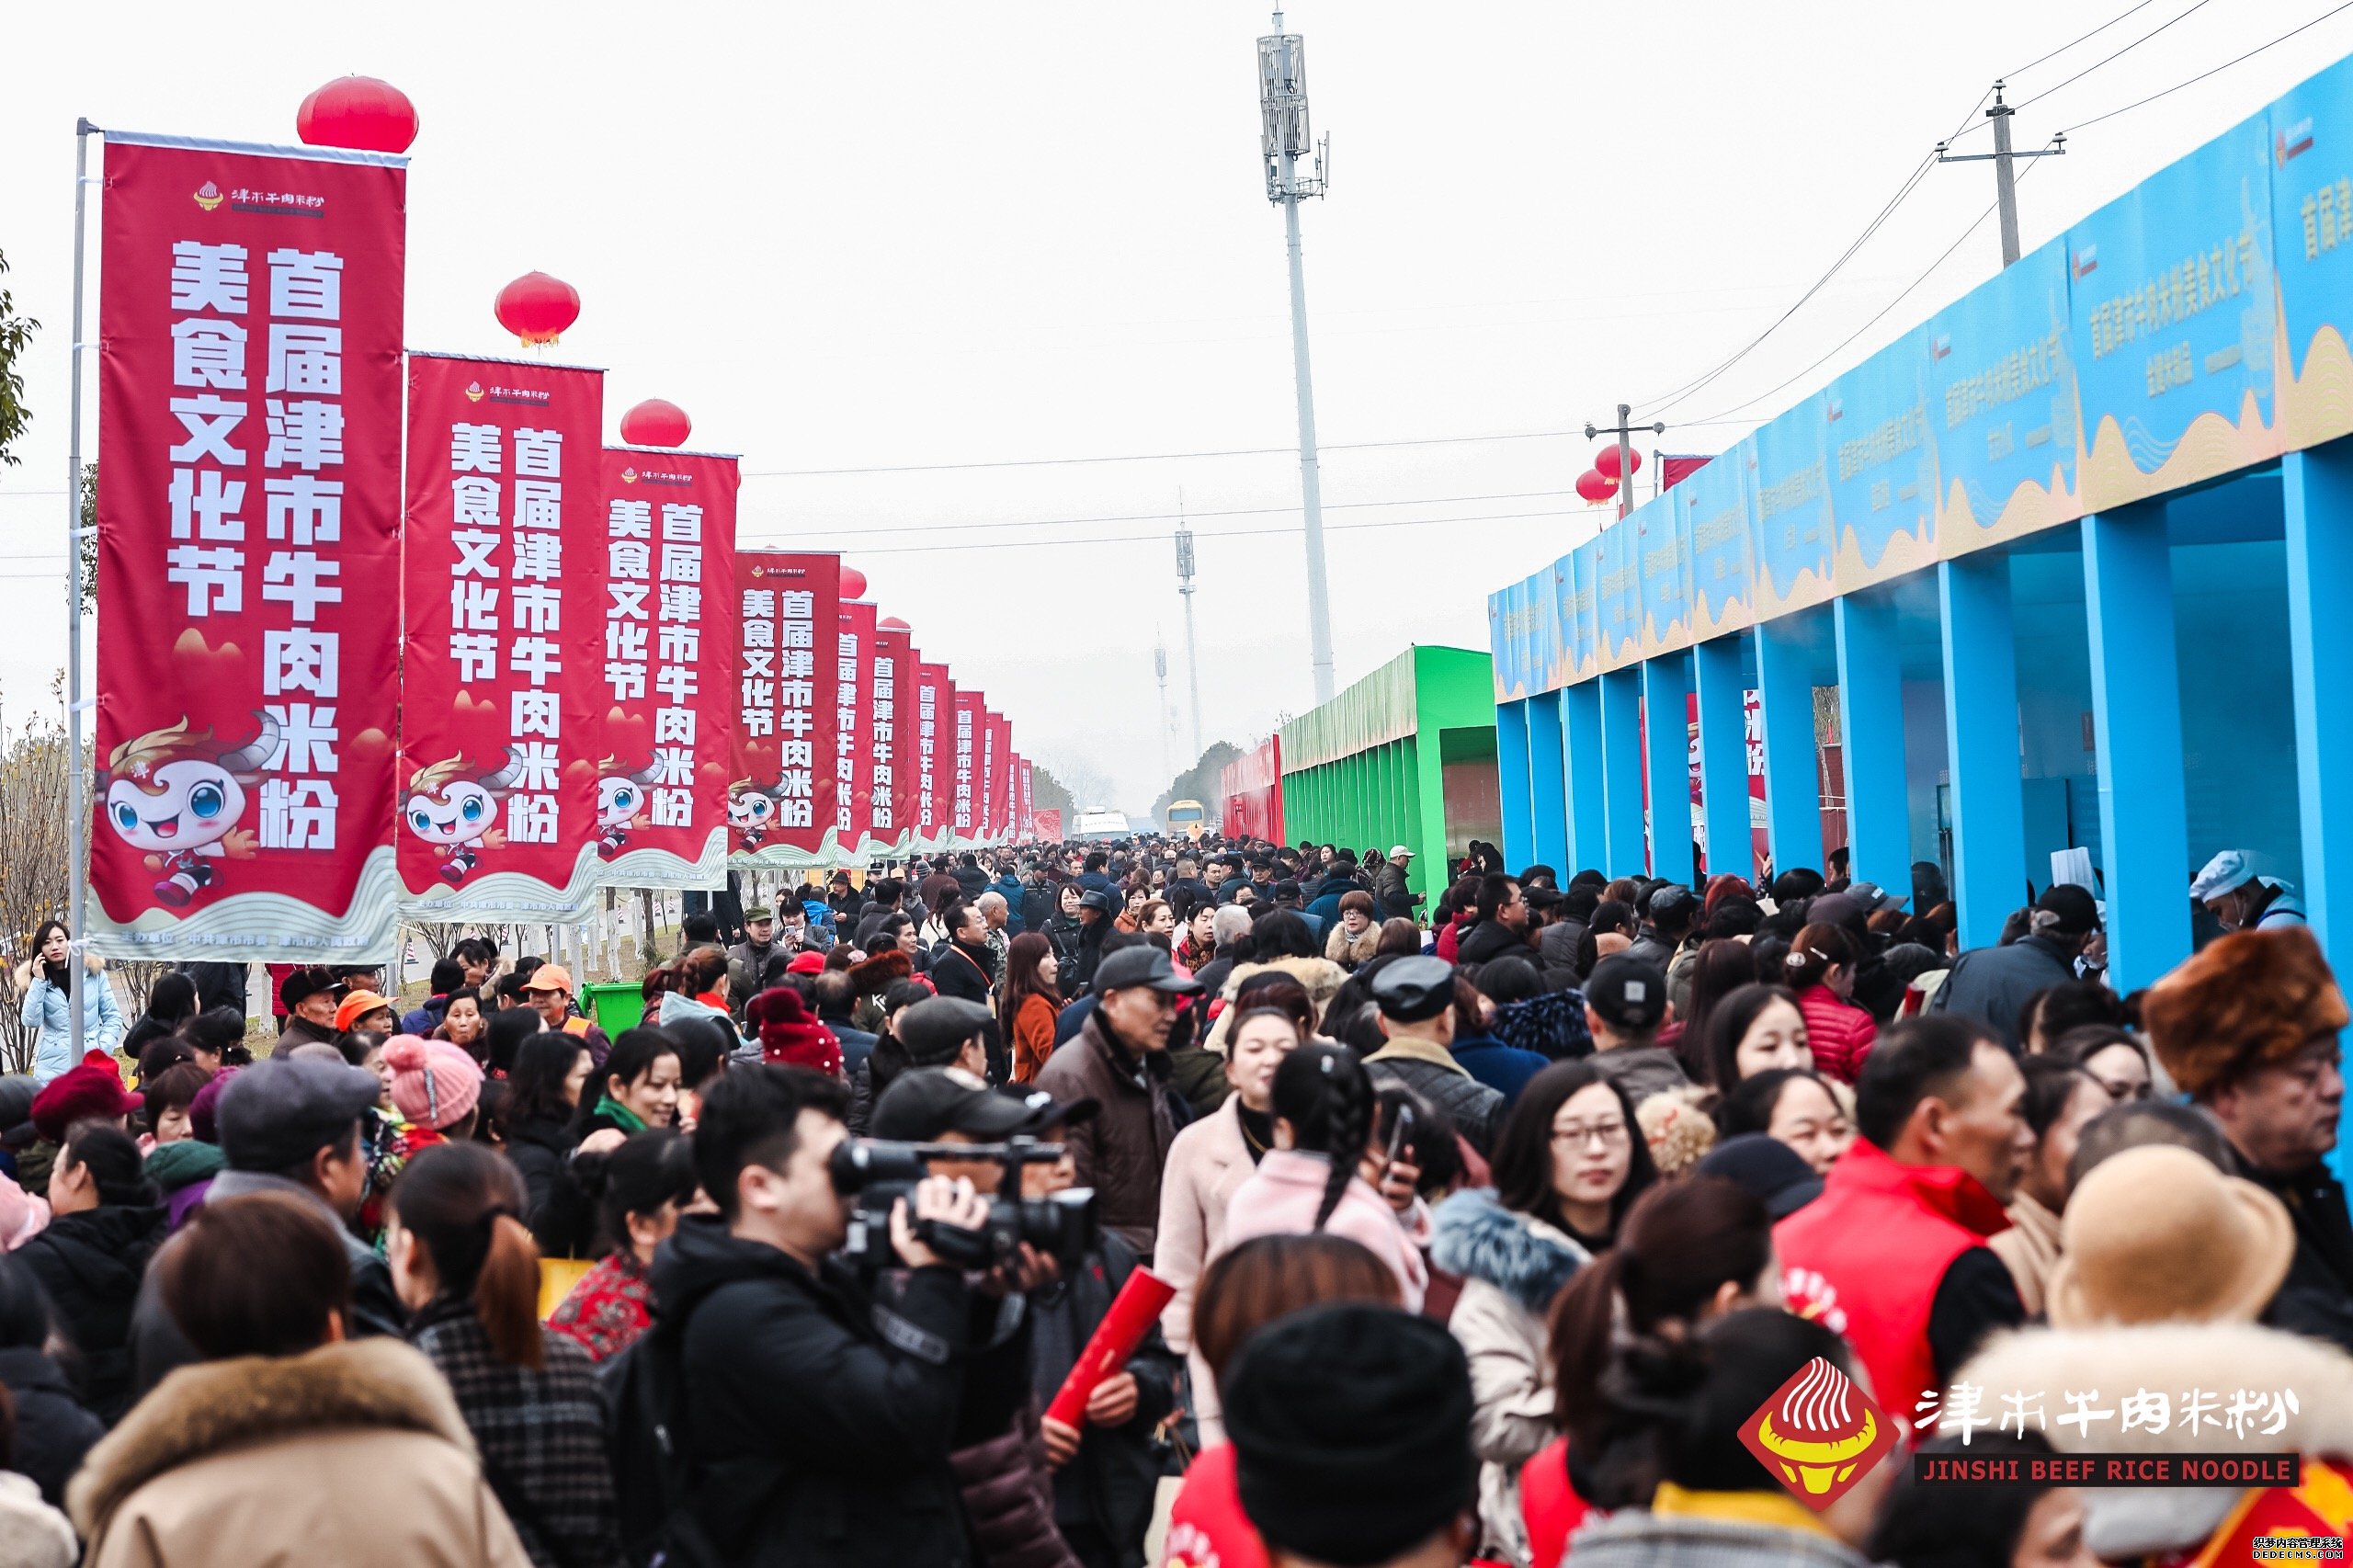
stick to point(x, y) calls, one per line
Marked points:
point(1187, 817)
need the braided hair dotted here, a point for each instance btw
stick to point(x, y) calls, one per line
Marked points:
point(1324, 1092)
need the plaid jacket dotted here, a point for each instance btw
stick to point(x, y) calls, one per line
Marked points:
point(542, 1436)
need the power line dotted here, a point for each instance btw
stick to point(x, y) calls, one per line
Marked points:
point(2225, 65)
point(1665, 401)
point(2063, 48)
point(2196, 6)
point(1925, 274)
point(1149, 456)
point(1230, 533)
point(1189, 512)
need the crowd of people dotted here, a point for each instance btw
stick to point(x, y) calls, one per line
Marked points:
point(1488, 1221)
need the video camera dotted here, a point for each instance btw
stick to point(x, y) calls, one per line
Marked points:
point(876, 1174)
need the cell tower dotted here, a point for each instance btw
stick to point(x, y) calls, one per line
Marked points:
point(1167, 721)
point(1284, 139)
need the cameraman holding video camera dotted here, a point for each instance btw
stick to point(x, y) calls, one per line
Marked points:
point(783, 1411)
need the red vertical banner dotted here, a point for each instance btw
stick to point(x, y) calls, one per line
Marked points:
point(249, 434)
point(670, 650)
point(503, 584)
point(893, 818)
point(935, 767)
point(996, 754)
point(969, 787)
point(1023, 812)
point(780, 802)
point(851, 692)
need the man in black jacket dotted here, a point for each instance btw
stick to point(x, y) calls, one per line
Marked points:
point(1502, 925)
point(1991, 985)
point(819, 1421)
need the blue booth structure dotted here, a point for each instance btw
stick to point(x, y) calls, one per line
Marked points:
point(2053, 569)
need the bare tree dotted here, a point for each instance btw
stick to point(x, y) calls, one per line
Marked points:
point(1088, 785)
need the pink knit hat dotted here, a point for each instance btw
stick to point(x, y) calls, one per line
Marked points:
point(435, 1084)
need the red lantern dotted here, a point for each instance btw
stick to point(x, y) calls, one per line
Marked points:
point(892, 623)
point(657, 421)
point(853, 583)
point(1604, 462)
point(357, 111)
point(1594, 487)
point(537, 308)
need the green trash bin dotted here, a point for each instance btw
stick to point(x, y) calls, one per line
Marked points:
point(614, 1005)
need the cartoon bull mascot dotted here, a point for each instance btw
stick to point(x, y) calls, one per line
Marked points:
point(621, 802)
point(751, 810)
point(172, 793)
point(455, 808)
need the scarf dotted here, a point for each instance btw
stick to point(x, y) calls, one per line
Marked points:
point(630, 1122)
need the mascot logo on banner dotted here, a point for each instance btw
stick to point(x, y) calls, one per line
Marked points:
point(454, 808)
point(174, 795)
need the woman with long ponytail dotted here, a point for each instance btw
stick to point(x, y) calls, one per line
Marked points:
point(465, 1266)
point(1313, 1179)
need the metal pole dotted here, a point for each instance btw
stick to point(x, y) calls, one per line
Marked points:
point(78, 811)
point(2005, 182)
point(1193, 670)
point(1165, 719)
point(1311, 484)
point(1625, 460)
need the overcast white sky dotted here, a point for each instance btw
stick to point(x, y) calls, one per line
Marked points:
point(880, 238)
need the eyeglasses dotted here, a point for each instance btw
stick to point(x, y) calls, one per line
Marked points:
point(1611, 1134)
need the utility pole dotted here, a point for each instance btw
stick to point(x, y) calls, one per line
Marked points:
point(1283, 141)
point(1192, 648)
point(2005, 184)
point(1624, 431)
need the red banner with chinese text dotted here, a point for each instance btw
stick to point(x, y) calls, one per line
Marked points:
point(502, 587)
point(1025, 814)
point(249, 434)
point(852, 694)
point(781, 800)
point(936, 769)
point(1046, 827)
point(967, 785)
point(671, 643)
point(996, 764)
point(894, 814)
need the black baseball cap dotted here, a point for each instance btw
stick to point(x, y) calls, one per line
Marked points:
point(1628, 993)
point(2077, 912)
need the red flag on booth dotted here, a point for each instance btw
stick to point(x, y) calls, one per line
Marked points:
point(997, 760)
point(249, 431)
point(851, 692)
point(503, 587)
point(780, 802)
point(670, 648)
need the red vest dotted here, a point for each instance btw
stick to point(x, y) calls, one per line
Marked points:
point(1866, 1258)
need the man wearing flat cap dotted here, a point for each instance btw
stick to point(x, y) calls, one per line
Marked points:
point(2247, 1029)
point(290, 1126)
point(1416, 996)
point(1119, 1059)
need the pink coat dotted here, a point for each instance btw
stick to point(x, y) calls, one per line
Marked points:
point(1281, 1199)
point(1207, 1164)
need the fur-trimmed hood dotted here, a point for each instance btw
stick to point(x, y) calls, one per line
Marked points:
point(874, 975)
point(1517, 1253)
point(1321, 978)
point(2173, 1360)
point(24, 972)
point(203, 1409)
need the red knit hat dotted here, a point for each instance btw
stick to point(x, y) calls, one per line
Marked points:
point(91, 1091)
point(789, 1036)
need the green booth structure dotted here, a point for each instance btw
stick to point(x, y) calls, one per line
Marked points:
point(1406, 756)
